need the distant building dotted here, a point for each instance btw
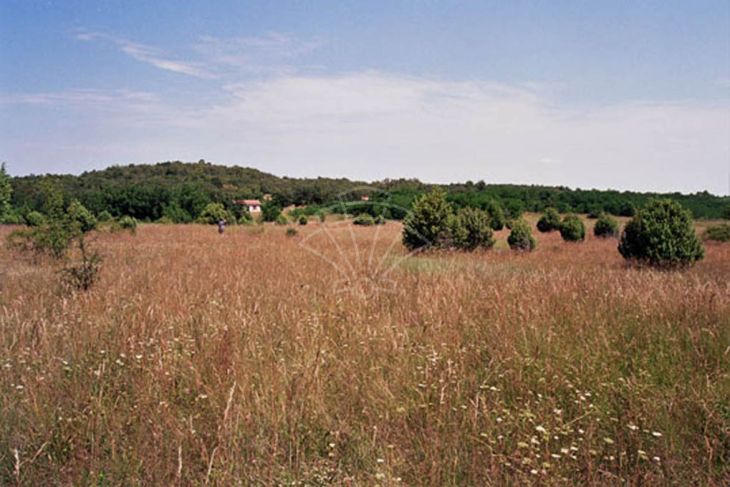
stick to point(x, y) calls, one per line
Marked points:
point(254, 206)
point(364, 198)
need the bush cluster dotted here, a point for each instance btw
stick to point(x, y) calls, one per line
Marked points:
point(433, 223)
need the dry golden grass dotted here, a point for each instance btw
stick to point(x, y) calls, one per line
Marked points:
point(247, 359)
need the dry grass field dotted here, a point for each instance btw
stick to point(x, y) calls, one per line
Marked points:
point(333, 358)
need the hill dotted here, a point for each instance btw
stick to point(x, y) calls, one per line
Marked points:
point(181, 190)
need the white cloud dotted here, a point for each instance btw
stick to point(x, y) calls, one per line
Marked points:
point(372, 125)
point(148, 54)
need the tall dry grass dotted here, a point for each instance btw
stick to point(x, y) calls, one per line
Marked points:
point(248, 359)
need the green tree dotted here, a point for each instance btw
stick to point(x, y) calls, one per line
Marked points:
point(572, 229)
point(6, 193)
point(606, 226)
point(215, 212)
point(549, 221)
point(661, 234)
point(496, 215)
point(471, 229)
point(520, 237)
point(79, 215)
point(270, 211)
point(428, 222)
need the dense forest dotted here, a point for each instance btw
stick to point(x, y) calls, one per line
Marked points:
point(180, 191)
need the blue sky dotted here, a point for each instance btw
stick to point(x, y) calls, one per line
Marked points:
point(628, 95)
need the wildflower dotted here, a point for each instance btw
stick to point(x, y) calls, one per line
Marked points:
point(656, 434)
point(533, 471)
point(380, 460)
point(555, 456)
point(564, 451)
point(608, 440)
point(633, 427)
point(656, 459)
point(540, 429)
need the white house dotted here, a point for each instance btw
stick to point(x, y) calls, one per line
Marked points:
point(254, 206)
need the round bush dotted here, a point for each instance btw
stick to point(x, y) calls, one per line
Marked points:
point(662, 235)
point(364, 219)
point(549, 221)
point(472, 229)
point(35, 219)
point(718, 233)
point(520, 237)
point(215, 212)
point(80, 216)
point(572, 229)
point(606, 227)
point(281, 219)
point(496, 215)
point(128, 223)
point(303, 220)
point(428, 222)
point(380, 220)
point(291, 232)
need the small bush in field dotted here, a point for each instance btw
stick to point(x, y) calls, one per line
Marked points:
point(572, 229)
point(520, 237)
point(322, 216)
point(35, 219)
point(281, 219)
point(128, 223)
point(471, 229)
point(496, 215)
point(428, 222)
point(104, 217)
point(81, 275)
point(549, 221)
point(606, 226)
point(291, 232)
point(380, 220)
point(79, 215)
point(718, 233)
point(364, 219)
point(303, 220)
point(662, 235)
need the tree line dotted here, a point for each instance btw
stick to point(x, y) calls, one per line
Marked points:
point(180, 192)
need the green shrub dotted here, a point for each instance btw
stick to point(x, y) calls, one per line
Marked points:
point(128, 223)
point(35, 219)
point(496, 215)
point(303, 220)
point(79, 215)
point(322, 216)
point(104, 217)
point(471, 229)
point(83, 273)
point(718, 233)
point(364, 219)
point(215, 212)
point(520, 237)
point(662, 235)
point(291, 232)
point(606, 227)
point(428, 222)
point(281, 219)
point(549, 221)
point(572, 229)
point(380, 220)
point(270, 211)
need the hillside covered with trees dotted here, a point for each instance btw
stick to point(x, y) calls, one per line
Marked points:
point(180, 191)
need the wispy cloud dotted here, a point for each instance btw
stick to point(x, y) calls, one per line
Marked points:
point(148, 54)
point(372, 125)
point(271, 52)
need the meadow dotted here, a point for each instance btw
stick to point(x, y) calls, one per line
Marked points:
point(335, 358)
